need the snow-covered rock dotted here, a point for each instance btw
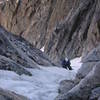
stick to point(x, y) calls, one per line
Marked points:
point(42, 85)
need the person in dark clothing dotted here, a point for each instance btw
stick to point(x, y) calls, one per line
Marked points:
point(66, 64)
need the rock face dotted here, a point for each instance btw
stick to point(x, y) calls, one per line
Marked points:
point(65, 86)
point(64, 27)
point(16, 54)
point(95, 94)
point(82, 91)
point(88, 35)
point(89, 62)
point(7, 95)
point(87, 79)
point(34, 19)
point(76, 35)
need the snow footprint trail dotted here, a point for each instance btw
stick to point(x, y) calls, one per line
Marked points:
point(43, 85)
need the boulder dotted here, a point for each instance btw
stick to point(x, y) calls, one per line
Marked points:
point(82, 91)
point(89, 62)
point(65, 86)
point(10, 50)
point(8, 64)
point(99, 98)
point(95, 94)
point(21, 51)
point(8, 95)
point(16, 54)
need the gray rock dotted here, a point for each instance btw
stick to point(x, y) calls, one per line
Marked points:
point(21, 51)
point(95, 94)
point(85, 69)
point(99, 98)
point(93, 56)
point(8, 64)
point(65, 86)
point(69, 37)
point(89, 62)
point(9, 49)
point(83, 90)
point(76, 25)
point(34, 18)
point(7, 95)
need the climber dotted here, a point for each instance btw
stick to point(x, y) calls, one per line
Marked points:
point(66, 64)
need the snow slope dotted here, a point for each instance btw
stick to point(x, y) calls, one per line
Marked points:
point(44, 83)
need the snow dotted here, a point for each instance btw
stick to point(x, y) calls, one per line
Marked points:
point(76, 63)
point(42, 85)
point(42, 49)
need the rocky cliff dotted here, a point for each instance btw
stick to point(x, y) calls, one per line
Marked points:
point(34, 19)
point(64, 27)
point(78, 34)
point(16, 54)
point(7, 95)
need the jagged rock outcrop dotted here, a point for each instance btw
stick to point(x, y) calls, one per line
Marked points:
point(65, 86)
point(7, 95)
point(87, 79)
point(82, 91)
point(95, 94)
point(64, 27)
point(34, 19)
point(89, 62)
point(78, 34)
point(16, 54)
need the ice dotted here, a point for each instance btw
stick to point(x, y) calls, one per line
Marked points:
point(42, 85)
point(76, 63)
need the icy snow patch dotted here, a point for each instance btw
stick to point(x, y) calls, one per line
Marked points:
point(42, 85)
point(42, 49)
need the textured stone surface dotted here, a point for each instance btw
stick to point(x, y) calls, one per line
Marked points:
point(64, 27)
point(16, 54)
point(95, 94)
point(99, 98)
point(34, 19)
point(83, 90)
point(89, 62)
point(7, 95)
point(8, 64)
point(65, 86)
point(70, 37)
